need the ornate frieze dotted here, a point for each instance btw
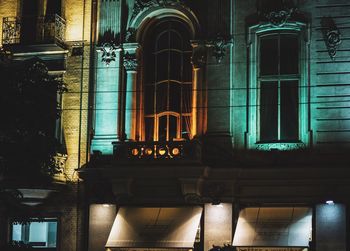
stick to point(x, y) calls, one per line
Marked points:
point(331, 35)
point(130, 62)
point(108, 52)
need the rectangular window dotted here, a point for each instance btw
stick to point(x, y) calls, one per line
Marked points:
point(38, 234)
point(279, 88)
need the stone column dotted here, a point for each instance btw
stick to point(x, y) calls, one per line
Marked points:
point(130, 64)
point(198, 116)
point(106, 99)
point(217, 225)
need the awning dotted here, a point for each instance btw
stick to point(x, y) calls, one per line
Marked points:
point(161, 228)
point(288, 227)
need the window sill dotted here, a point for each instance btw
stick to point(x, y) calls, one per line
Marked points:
point(280, 146)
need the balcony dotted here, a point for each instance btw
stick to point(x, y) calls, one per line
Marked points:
point(42, 37)
point(178, 151)
point(33, 30)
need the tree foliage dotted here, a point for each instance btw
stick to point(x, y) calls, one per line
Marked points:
point(29, 110)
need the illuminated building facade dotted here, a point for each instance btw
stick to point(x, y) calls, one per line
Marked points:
point(192, 124)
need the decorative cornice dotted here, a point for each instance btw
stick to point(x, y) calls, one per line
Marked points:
point(109, 52)
point(130, 62)
point(331, 35)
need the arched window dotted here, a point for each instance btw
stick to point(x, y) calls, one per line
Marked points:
point(167, 82)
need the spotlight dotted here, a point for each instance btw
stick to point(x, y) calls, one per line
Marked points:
point(330, 202)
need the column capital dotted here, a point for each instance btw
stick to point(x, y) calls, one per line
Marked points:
point(130, 62)
point(199, 54)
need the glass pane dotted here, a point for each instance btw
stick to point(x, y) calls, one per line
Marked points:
point(187, 68)
point(162, 128)
point(162, 97)
point(175, 40)
point(149, 70)
point(172, 127)
point(175, 65)
point(163, 41)
point(186, 98)
point(149, 128)
point(149, 99)
point(162, 66)
point(174, 97)
point(289, 110)
point(186, 127)
point(269, 111)
point(36, 234)
point(269, 55)
point(16, 232)
point(289, 51)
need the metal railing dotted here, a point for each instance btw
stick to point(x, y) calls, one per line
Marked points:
point(32, 30)
point(171, 150)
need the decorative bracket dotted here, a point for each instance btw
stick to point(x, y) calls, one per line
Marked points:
point(108, 53)
point(331, 35)
point(218, 45)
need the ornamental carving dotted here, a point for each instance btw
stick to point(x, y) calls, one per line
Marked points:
point(130, 62)
point(108, 53)
point(142, 5)
point(276, 12)
point(218, 44)
point(331, 35)
point(279, 18)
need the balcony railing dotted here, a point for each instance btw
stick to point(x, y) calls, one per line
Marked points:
point(32, 30)
point(172, 150)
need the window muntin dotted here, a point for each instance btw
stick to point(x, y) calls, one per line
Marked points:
point(167, 82)
point(279, 87)
point(38, 234)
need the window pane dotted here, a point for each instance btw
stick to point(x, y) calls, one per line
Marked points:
point(162, 97)
point(36, 234)
point(187, 68)
point(269, 55)
point(162, 66)
point(174, 97)
point(149, 127)
point(162, 128)
point(289, 110)
point(269, 111)
point(175, 65)
point(186, 98)
point(149, 99)
point(289, 51)
point(175, 41)
point(163, 41)
point(149, 70)
point(172, 127)
point(186, 127)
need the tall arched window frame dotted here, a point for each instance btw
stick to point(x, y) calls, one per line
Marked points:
point(167, 82)
point(278, 87)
